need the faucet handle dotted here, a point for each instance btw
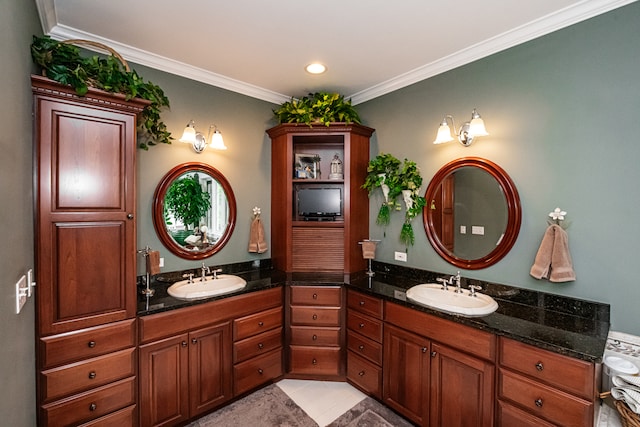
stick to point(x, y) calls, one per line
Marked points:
point(473, 289)
point(445, 282)
point(215, 272)
point(189, 275)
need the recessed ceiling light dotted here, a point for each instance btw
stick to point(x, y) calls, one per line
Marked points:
point(316, 68)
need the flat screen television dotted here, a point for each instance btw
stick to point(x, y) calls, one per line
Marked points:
point(318, 203)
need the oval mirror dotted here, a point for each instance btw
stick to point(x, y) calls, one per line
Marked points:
point(472, 216)
point(194, 210)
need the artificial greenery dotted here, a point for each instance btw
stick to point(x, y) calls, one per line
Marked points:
point(62, 62)
point(187, 201)
point(319, 107)
point(385, 170)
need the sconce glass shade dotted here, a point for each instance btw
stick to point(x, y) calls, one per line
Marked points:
point(217, 143)
point(476, 126)
point(444, 133)
point(189, 134)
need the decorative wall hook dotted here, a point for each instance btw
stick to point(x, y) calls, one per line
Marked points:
point(256, 212)
point(557, 216)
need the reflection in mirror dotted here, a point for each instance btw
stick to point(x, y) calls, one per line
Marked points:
point(194, 210)
point(472, 217)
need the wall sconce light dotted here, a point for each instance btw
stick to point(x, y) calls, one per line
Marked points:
point(467, 133)
point(198, 140)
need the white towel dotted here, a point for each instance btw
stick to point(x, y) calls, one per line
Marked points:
point(627, 389)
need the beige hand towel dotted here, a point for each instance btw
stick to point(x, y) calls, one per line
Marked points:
point(369, 249)
point(553, 260)
point(257, 242)
point(153, 262)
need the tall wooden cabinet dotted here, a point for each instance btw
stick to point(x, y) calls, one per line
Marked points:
point(85, 253)
point(313, 245)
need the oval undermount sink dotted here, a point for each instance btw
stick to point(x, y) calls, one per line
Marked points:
point(433, 296)
point(223, 284)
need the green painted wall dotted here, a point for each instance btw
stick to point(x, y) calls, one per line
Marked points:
point(18, 22)
point(562, 112)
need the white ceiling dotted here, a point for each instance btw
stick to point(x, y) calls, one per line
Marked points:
point(260, 48)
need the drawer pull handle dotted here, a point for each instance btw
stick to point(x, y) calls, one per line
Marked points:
point(260, 346)
point(361, 325)
point(314, 362)
point(260, 371)
point(194, 341)
point(539, 366)
point(360, 347)
point(538, 403)
point(314, 337)
point(261, 324)
point(361, 373)
point(315, 296)
point(361, 303)
point(91, 344)
point(92, 375)
point(184, 343)
point(315, 317)
point(93, 407)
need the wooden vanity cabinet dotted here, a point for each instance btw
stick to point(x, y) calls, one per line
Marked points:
point(364, 342)
point(327, 245)
point(437, 372)
point(550, 388)
point(187, 355)
point(315, 333)
point(85, 254)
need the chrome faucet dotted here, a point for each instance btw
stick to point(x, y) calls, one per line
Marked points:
point(205, 270)
point(457, 279)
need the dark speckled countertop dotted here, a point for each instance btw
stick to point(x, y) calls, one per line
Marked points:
point(564, 325)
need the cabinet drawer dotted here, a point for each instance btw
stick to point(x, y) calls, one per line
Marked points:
point(543, 401)
point(86, 343)
point(315, 360)
point(364, 374)
point(91, 405)
point(256, 345)
point(509, 416)
point(69, 379)
point(315, 316)
point(123, 417)
point(309, 335)
point(365, 304)
point(316, 295)
point(256, 323)
point(256, 371)
point(365, 325)
point(569, 374)
point(364, 347)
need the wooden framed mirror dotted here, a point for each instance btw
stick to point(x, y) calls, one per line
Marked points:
point(194, 211)
point(472, 217)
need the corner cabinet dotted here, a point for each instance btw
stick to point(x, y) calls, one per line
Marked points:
point(321, 243)
point(85, 254)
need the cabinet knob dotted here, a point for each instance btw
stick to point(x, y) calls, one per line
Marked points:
point(424, 349)
point(361, 373)
point(92, 375)
point(315, 296)
point(91, 344)
point(538, 402)
point(130, 216)
point(184, 343)
point(314, 337)
point(361, 303)
point(539, 366)
point(314, 362)
point(260, 371)
point(315, 317)
point(433, 354)
point(361, 347)
point(361, 325)
point(261, 324)
point(194, 341)
point(260, 346)
point(93, 407)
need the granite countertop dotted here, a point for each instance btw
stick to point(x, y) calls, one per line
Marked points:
point(564, 325)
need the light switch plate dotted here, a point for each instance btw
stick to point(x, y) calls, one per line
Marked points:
point(401, 256)
point(21, 293)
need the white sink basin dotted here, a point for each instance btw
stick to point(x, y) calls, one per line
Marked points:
point(223, 284)
point(433, 296)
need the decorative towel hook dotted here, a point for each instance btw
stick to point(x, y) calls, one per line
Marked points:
point(256, 212)
point(557, 216)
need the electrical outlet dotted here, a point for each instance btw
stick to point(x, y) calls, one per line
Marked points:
point(161, 262)
point(477, 229)
point(401, 256)
point(21, 293)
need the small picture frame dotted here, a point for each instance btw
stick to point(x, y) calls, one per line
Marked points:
point(305, 166)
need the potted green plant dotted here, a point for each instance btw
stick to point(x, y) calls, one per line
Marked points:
point(63, 63)
point(410, 181)
point(320, 107)
point(187, 202)
point(382, 172)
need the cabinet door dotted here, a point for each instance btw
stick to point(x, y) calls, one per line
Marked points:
point(461, 389)
point(164, 382)
point(85, 258)
point(209, 367)
point(406, 373)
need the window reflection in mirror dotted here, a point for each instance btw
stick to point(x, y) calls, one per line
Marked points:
point(194, 210)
